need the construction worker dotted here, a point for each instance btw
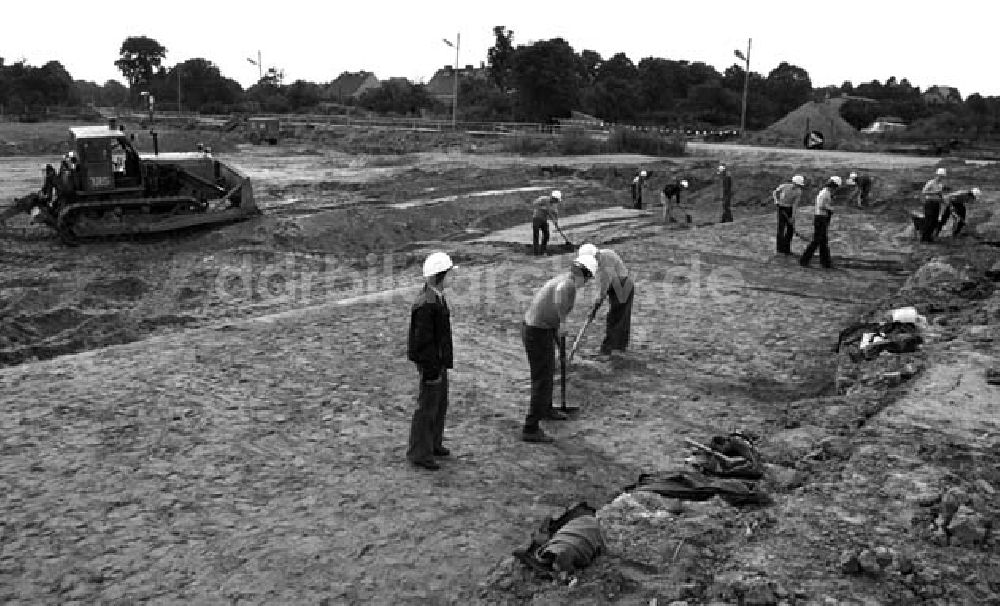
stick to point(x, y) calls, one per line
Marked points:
point(727, 194)
point(862, 187)
point(786, 199)
point(957, 202)
point(429, 346)
point(821, 225)
point(545, 210)
point(933, 193)
point(613, 281)
point(638, 182)
point(544, 322)
point(671, 196)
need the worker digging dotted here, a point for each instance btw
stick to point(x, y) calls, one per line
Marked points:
point(544, 324)
point(615, 283)
point(545, 210)
point(670, 196)
point(430, 348)
point(955, 204)
point(786, 199)
point(823, 213)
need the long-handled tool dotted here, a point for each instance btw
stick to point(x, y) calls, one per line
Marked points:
point(562, 376)
point(579, 335)
point(715, 453)
point(559, 229)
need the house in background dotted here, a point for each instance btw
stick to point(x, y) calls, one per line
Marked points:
point(442, 84)
point(941, 95)
point(350, 85)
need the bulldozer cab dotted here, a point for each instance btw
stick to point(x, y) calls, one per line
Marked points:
point(106, 160)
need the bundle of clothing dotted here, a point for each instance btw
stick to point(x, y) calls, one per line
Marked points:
point(866, 340)
point(564, 544)
point(733, 476)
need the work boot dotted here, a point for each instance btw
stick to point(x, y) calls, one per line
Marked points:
point(429, 464)
point(555, 415)
point(536, 436)
point(441, 451)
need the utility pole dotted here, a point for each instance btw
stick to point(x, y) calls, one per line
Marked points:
point(454, 96)
point(178, 88)
point(260, 66)
point(746, 85)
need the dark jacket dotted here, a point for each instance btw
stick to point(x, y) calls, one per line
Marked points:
point(429, 343)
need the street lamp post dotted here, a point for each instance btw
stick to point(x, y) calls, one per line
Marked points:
point(746, 84)
point(454, 97)
point(260, 66)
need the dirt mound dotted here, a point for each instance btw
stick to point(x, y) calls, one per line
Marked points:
point(822, 116)
point(935, 273)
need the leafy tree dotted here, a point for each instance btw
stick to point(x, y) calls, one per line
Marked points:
point(859, 114)
point(547, 82)
point(589, 66)
point(616, 89)
point(397, 97)
point(139, 57)
point(483, 101)
point(202, 86)
point(500, 56)
point(788, 86)
point(303, 95)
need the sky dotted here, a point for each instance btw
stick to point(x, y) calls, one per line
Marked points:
point(928, 43)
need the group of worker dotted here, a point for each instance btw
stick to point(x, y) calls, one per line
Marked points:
point(936, 195)
point(543, 329)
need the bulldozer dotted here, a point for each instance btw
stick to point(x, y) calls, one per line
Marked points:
point(105, 188)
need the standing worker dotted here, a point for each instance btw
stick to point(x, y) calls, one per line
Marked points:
point(933, 197)
point(727, 194)
point(613, 281)
point(821, 225)
point(957, 202)
point(429, 346)
point(545, 209)
point(786, 199)
point(638, 182)
point(671, 196)
point(544, 322)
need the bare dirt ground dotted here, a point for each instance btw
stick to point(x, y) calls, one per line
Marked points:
point(221, 416)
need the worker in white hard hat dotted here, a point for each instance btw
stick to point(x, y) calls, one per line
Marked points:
point(956, 202)
point(671, 197)
point(786, 199)
point(615, 283)
point(861, 188)
point(727, 194)
point(429, 347)
point(821, 225)
point(545, 209)
point(933, 193)
point(544, 325)
point(638, 183)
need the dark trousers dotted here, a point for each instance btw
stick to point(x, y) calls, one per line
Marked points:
point(427, 426)
point(821, 240)
point(932, 208)
point(959, 209)
point(727, 209)
point(620, 297)
point(637, 199)
point(540, 345)
point(786, 229)
point(539, 227)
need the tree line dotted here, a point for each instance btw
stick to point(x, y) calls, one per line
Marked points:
point(537, 82)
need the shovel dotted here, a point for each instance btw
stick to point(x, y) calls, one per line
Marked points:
point(562, 376)
point(559, 229)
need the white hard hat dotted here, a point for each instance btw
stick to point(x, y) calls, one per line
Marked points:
point(437, 263)
point(684, 183)
point(976, 192)
point(853, 176)
point(836, 180)
point(642, 173)
point(587, 262)
point(722, 168)
point(557, 194)
point(799, 180)
point(588, 250)
point(71, 154)
point(941, 172)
